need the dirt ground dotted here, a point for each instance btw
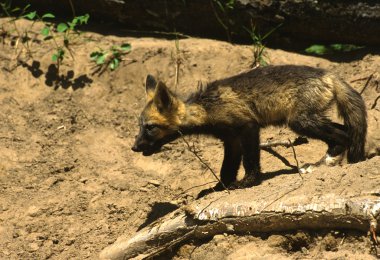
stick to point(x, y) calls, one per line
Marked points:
point(70, 184)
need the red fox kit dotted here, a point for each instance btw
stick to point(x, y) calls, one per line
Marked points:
point(235, 108)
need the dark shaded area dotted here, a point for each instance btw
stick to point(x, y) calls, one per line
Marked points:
point(158, 210)
point(56, 80)
point(303, 22)
point(34, 68)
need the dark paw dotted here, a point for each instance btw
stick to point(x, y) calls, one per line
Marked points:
point(217, 187)
point(247, 182)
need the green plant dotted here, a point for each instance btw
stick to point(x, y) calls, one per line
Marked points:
point(110, 58)
point(178, 61)
point(258, 46)
point(22, 36)
point(222, 14)
point(62, 36)
point(319, 49)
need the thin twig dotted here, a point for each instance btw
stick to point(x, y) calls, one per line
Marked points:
point(177, 64)
point(366, 84)
point(194, 187)
point(295, 158)
point(202, 161)
point(375, 103)
point(72, 8)
point(277, 155)
point(359, 79)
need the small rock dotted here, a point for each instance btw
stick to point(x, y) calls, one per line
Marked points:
point(144, 189)
point(34, 211)
point(154, 182)
point(83, 180)
point(33, 247)
point(70, 241)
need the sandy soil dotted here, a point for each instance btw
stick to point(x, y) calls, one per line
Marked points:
point(70, 184)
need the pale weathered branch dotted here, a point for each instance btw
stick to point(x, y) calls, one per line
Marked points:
point(232, 215)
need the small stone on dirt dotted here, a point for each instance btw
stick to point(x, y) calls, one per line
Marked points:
point(154, 182)
point(33, 247)
point(33, 211)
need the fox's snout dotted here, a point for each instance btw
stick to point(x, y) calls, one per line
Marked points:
point(136, 148)
point(139, 145)
point(145, 147)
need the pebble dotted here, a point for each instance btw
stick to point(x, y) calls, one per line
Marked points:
point(33, 211)
point(70, 241)
point(154, 182)
point(34, 247)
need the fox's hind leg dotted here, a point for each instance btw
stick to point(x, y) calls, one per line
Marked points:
point(319, 127)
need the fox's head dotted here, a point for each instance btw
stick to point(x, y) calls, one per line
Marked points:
point(160, 119)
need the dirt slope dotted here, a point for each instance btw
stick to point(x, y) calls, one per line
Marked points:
point(70, 185)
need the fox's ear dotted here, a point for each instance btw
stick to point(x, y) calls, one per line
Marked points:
point(163, 98)
point(150, 86)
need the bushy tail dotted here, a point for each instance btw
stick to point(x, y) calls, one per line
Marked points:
point(352, 108)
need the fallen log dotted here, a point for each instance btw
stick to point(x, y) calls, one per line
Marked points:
point(229, 214)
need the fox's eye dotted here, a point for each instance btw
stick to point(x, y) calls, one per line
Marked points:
point(150, 127)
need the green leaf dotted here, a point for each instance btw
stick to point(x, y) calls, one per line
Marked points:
point(30, 15)
point(345, 47)
point(15, 9)
point(95, 55)
point(114, 64)
point(48, 15)
point(317, 49)
point(83, 19)
point(101, 59)
point(72, 25)
point(59, 55)
point(62, 27)
point(54, 57)
point(26, 7)
point(126, 47)
point(45, 31)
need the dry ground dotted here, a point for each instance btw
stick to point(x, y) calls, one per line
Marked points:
point(70, 184)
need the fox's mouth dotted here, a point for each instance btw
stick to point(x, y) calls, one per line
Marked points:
point(147, 150)
point(150, 151)
point(152, 148)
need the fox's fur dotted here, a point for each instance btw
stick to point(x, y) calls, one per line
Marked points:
point(235, 108)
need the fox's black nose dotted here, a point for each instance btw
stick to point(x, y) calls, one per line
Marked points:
point(135, 148)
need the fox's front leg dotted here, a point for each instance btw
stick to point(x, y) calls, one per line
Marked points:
point(230, 166)
point(250, 142)
point(231, 161)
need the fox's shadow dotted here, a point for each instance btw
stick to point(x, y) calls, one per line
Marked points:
point(158, 210)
